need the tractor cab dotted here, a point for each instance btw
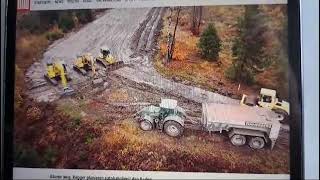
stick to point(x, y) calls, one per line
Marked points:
point(105, 52)
point(171, 107)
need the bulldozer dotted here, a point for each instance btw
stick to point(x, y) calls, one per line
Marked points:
point(57, 71)
point(107, 60)
point(268, 99)
point(85, 63)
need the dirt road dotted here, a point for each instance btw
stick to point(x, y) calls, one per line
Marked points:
point(131, 36)
point(114, 29)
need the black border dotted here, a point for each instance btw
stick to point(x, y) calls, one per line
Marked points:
point(9, 68)
point(295, 95)
point(296, 128)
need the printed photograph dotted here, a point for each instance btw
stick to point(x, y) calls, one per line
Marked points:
point(184, 89)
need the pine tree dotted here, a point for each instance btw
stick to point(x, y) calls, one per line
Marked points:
point(248, 47)
point(209, 43)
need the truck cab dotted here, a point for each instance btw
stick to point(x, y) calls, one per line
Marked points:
point(267, 99)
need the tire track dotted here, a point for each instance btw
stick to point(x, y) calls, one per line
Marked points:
point(147, 31)
point(114, 29)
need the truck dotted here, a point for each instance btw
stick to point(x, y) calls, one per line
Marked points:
point(254, 126)
point(268, 99)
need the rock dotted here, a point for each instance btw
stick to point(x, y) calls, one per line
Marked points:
point(97, 82)
point(106, 85)
point(83, 113)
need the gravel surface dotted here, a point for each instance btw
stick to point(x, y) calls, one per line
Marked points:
point(131, 36)
point(114, 29)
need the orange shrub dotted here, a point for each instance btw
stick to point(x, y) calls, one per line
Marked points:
point(181, 51)
point(33, 114)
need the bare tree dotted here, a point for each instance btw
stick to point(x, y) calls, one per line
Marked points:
point(199, 19)
point(194, 19)
point(171, 38)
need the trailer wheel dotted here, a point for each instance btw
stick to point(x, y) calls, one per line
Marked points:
point(146, 125)
point(173, 128)
point(256, 143)
point(238, 140)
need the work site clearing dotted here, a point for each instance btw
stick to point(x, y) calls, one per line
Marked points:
point(95, 128)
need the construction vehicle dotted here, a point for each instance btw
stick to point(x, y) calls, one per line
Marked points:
point(243, 124)
point(107, 60)
point(268, 99)
point(84, 64)
point(57, 71)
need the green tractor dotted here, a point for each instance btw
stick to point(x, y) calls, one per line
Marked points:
point(167, 117)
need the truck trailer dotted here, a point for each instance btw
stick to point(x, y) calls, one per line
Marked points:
point(254, 126)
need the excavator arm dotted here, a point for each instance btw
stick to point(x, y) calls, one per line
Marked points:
point(63, 76)
point(93, 65)
point(63, 79)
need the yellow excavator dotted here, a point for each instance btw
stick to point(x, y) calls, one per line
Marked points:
point(57, 71)
point(85, 63)
point(107, 60)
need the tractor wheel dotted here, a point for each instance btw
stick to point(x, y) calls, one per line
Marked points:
point(238, 140)
point(282, 115)
point(173, 129)
point(146, 125)
point(256, 143)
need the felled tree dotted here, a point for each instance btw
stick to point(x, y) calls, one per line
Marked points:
point(248, 48)
point(210, 43)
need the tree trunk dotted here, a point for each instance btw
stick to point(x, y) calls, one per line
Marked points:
point(200, 19)
point(166, 60)
point(194, 20)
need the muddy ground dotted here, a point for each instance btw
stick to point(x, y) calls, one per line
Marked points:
point(99, 132)
point(95, 130)
point(131, 38)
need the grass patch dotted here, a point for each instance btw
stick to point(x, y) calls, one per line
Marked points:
point(89, 138)
point(54, 34)
point(73, 109)
point(189, 67)
point(50, 156)
point(26, 156)
point(134, 149)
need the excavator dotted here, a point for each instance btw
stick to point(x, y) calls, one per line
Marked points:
point(85, 63)
point(107, 60)
point(57, 71)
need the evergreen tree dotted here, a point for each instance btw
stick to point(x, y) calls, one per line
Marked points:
point(248, 48)
point(209, 43)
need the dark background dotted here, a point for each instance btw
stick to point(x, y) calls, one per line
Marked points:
point(296, 139)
